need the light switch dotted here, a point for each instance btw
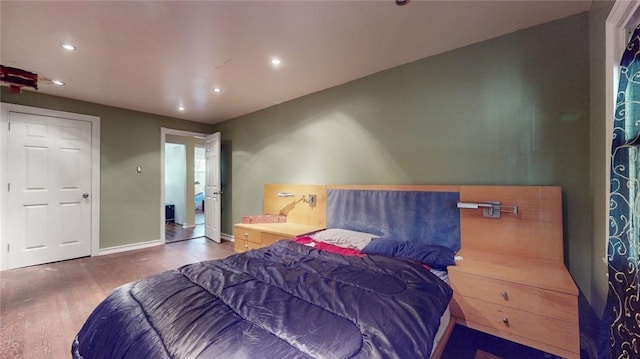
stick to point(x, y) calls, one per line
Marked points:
point(139, 169)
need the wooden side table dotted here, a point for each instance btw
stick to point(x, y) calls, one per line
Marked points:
point(256, 235)
point(526, 300)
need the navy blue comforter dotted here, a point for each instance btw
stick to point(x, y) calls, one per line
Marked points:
point(283, 301)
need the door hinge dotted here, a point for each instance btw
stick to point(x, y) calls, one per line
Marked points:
point(8, 247)
point(9, 126)
point(8, 187)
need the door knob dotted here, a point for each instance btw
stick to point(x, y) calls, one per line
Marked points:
point(85, 195)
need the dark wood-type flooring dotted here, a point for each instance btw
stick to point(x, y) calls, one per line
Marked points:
point(43, 307)
point(175, 232)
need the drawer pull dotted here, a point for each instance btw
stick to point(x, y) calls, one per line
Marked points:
point(505, 321)
point(505, 295)
point(246, 235)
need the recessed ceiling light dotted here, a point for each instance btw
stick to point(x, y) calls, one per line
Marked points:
point(181, 108)
point(275, 61)
point(217, 90)
point(58, 82)
point(68, 46)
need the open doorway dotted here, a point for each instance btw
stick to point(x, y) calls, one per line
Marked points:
point(199, 174)
point(211, 207)
point(183, 187)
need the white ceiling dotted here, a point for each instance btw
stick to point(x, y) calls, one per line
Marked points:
point(154, 56)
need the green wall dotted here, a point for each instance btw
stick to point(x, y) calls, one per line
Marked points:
point(599, 151)
point(129, 202)
point(511, 110)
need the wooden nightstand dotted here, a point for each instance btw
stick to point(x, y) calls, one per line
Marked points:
point(529, 301)
point(513, 282)
point(252, 236)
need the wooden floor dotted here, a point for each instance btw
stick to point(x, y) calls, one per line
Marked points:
point(175, 232)
point(43, 307)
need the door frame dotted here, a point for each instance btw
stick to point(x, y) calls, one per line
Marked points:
point(5, 109)
point(621, 15)
point(213, 230)
point(164, 131)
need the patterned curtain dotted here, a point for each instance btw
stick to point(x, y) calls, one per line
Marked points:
point(623, 302)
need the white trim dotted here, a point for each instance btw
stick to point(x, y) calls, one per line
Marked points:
point(129, 247)
point(96, 155)
point(4, 166)
point(5, 108)
point(616, 24)
point(163, 134)
point(227, 237)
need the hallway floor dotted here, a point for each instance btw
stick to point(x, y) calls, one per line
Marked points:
point(175, 232)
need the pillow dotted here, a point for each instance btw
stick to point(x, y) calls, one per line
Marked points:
point(435, 256)
point(343, 237)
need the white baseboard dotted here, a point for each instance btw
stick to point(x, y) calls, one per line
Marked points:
point(129, 247)
point(157, 242)
point(227, 237)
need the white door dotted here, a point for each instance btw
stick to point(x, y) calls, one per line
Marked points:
point(49, 198)
point(212, 191)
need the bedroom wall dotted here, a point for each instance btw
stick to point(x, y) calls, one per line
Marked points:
point(511, 110)
point(130, 202)
point(599, 151)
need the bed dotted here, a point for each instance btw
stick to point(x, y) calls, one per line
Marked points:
point(333, 294)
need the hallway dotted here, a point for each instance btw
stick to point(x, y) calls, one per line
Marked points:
point(175, 232)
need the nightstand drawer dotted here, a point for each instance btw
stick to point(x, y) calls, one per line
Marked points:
point(258, 235)
point(243, 245)
point(247, 235)
point(527, 298)
point(551, 331)
point(239, 246)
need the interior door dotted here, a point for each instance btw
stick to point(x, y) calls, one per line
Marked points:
point(212, 191)
point(49, 198)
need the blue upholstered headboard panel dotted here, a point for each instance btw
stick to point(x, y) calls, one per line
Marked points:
point(429, 217)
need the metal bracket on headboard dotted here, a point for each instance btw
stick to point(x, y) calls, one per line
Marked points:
point(490, 209)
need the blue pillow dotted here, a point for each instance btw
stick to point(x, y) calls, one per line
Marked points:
point(435, 256)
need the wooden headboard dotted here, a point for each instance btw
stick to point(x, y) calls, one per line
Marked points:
point(511, 280)
point(535, 231)
point(297, 208)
